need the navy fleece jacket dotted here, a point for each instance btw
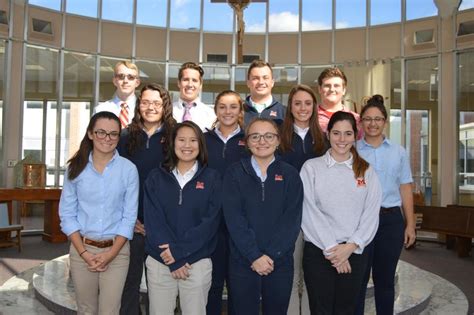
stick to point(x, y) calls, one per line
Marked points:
point(220, 154)
point(276, 111)
point(301, 151)
point(262, 217)
point(149, 156)
point(187, 219)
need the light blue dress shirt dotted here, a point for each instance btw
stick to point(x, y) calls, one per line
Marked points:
point(257, 169)
point(392, 166)
point(101, 206)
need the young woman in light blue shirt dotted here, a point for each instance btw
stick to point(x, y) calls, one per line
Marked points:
point(391, 163)
point(98, 210)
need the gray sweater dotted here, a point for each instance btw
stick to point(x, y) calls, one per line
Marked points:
point(338, 207)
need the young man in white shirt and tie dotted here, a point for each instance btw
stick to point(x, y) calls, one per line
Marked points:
point(126, 80)
point(189, 105)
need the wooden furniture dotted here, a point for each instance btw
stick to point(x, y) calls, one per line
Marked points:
point(6, 227)
point(457, 222)
point(52, 231)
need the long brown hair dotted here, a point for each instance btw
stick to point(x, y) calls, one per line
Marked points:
point(359, 165)
point(80, 159)
point(171, 160)
point(314, 128)
point(240, 121)
point(135, 128)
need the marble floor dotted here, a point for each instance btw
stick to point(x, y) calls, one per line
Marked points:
point(418, 292)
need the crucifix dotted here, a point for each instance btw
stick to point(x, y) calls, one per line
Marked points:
point(239, 7)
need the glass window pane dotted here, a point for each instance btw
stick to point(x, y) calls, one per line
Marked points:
point(185, 14)
point(466, 128)
point(317, 15)
point(151, 72)
point(218, 16)
point(216, 79)
point(2, 71)
point(173, 81)
point(152, 12)
point(385, 11)
point(350, 13)
point(466, 4)
point(50, 4)
point(285, 78)
point(421, 122)
point(117, 10)
point(82, 7)
point(254, 17)
point(284, 15)
point(417, 9)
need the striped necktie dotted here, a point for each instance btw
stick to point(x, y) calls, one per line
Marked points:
point(124, 115)
point(187, 111)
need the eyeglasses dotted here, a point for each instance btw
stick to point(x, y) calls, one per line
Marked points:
point(102, 134)
point(156, 104)
point(122, 76)
point(368, 120)
point(268, 137)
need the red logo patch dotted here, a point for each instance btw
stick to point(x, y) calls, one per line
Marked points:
point(273, 113)
point(360, 182)
point(200, 185)
point(241, 142)
point(278, 178)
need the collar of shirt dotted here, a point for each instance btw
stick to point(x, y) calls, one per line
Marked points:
point(330, 161)
point(195, 102)
point(260, 107)
point(256, 167)
point(131, 101)
point(221, 136)
point(300, 131)
point(156, 131)
point(385, 141)
point(183, 179)
point(114, 157)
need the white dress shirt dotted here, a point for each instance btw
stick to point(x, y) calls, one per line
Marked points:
point(183, 179)
point(201, 114)
point(114, 106)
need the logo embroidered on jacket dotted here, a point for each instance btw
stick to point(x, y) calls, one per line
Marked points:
point(242, 142)
point(278, 178)
point(273, 113)
point(200, 185)
point(361, 182)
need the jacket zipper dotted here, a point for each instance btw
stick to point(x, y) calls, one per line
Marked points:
point(223, 150)
point(263, 191)
point(180, 202)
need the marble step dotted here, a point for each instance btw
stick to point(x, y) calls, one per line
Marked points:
point(419, 292)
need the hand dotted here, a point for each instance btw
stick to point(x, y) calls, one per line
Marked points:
point(104, 259)
point(340, 253)
point(139, 228)
point(345, 267)
point(89, 258)
point(263, 265)
point(166, 255)
point(410, 236)
point(181, 273)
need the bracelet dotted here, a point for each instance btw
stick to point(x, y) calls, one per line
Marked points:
point(85, 250)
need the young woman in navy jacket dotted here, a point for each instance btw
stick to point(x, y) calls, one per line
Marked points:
point(301, 139)
point(226, 145)
point(262, 209)
point(182, 213)
point(143, 143)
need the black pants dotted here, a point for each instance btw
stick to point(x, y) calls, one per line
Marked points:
point(384, 252)
point(328, 291)
point(131, 291)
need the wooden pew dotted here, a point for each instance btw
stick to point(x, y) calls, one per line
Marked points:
point(457, 222)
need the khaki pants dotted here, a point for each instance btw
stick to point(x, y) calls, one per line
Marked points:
point(163, 289)
point(99, 292)
point(299, 286)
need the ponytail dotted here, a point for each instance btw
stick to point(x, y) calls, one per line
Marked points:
point(359, 165)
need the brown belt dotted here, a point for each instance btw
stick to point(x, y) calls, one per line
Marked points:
point(98, 244)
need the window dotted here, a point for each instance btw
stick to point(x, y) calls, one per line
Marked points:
point(218, 16)
point(117, 10)
point(350, 13)
point(255, 17)
point(83, 7)
point(417, 9)
point(317, 15)
point(385, 11)
point(185, 14)
point(50, 4)
point(152, 12)
point(284, 16)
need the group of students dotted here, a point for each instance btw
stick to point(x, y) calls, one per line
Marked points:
point(291, 213)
